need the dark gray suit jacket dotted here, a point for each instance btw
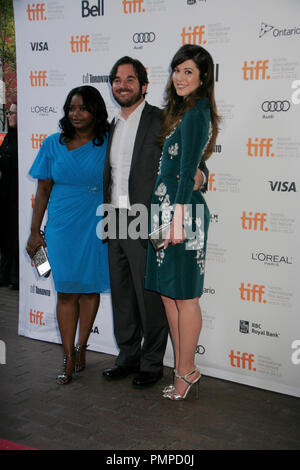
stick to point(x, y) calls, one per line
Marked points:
point(145, 159)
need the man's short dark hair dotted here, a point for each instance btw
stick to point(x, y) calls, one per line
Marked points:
point(138, 67)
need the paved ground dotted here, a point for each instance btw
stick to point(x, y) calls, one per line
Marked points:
point(93, 414)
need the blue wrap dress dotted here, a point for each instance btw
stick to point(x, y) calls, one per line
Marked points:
point(78, 258)
point(178, 271)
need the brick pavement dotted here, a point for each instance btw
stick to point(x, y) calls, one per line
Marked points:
point(93, 414)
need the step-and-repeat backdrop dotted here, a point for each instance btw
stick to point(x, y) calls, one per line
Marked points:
point(251, 317)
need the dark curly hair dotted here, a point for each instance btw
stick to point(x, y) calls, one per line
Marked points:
point(94, 103)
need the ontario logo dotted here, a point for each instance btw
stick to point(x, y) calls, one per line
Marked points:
point(278, 32)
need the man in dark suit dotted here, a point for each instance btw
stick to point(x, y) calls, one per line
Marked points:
point(132, 160)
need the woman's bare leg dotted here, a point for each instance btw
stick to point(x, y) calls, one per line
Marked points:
point(172, 316)
point(67, 317)
point(189, 326)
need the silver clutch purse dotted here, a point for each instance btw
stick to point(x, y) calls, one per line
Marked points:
point(158, 236)
point(41, 262)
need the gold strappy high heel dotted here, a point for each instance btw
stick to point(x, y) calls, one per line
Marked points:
point(174, 395)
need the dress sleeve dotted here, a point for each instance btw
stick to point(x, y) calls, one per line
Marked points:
point(41, 167)
point(194, 135)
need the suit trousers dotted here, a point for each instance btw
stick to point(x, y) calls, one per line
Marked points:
point(140, 323)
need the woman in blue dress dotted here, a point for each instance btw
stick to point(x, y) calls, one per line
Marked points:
point(177, 271)
point(69, 169)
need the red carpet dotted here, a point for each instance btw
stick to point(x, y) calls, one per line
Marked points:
point(8, 445)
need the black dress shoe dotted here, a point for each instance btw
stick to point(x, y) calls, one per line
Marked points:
point(118, 372)
point(145, 379)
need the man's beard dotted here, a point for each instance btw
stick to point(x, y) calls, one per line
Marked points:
point(131, 101)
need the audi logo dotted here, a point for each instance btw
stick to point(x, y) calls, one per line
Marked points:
point(143, 37)
point(272, 106)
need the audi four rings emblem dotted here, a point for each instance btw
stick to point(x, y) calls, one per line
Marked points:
point(143, 37)
point(277, 106)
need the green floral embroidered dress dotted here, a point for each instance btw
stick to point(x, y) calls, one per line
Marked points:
point(178, 271)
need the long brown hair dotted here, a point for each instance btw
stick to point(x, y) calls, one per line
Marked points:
point(176, 106)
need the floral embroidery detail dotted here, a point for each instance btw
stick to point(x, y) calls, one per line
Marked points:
point(173, 149)
point(166, 210)
point(159, 164)
point(160, 256)
point(161, 191)
point(200, 258)
point(196, 242)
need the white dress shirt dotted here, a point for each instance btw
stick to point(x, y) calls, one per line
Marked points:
point(121, 155)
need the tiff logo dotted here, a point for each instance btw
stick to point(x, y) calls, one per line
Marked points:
point(133, 6)
point(37, 140)
point(80, 43)
point(193, 35)
point(254, 222)
point(36, 317)
point(256, 70)
point(252, 294)
point(244, 361)
point(36, 12)
point(211, 180)
point(2, 352)
point(38, 78)
point(260, 148)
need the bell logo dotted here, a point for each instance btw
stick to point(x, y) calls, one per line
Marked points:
point(256, 70)
point(36, 317)
point(193, 35)
point(38, 78)
point(252, 293)
point(80, 43)
point(211, 181)
point(133, 6)
point(260, 148)
point(94, 10)
point(37, 140)
point(36, 12)
point(244, 361)
point(254, 222)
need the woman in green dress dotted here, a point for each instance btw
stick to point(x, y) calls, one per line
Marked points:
point(190, 128)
